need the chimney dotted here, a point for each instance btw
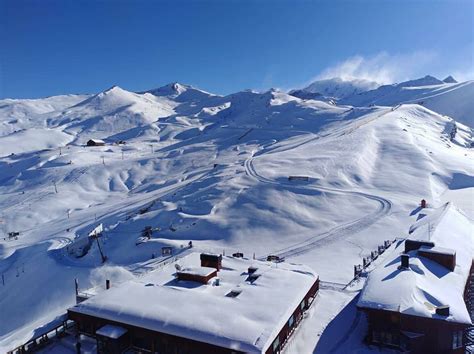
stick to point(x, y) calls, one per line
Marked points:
point(443, 310)
point(211, 260)
point(252, 269)
point(405, 258)
point(107, 284)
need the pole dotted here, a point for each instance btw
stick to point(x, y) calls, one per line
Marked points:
point(55, 187)
point(76, 283)
point(60, 152)
point(122, 154)
point(3, 279)
point(103, 160)
point(100, 249)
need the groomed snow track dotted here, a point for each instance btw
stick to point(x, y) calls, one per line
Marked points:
point(334, 234)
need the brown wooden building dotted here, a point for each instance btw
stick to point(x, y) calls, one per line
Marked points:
point(95, 142)
point(175, 311)
point(420, 299)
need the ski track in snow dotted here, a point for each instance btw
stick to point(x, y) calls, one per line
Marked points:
point(334, 234)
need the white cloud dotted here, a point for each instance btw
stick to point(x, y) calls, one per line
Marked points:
point(464, 75)
point(383, 68)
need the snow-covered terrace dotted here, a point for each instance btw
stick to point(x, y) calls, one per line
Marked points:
point(247, 320)
point(426, 285)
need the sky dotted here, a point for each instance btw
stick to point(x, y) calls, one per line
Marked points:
point(57, 47)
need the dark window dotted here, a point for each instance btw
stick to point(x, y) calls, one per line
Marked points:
point(234, 293)
point(388, 338)
point(376, 337)
point(291, 321)
point(457, 339)
point(276, 344)
point(141, 342)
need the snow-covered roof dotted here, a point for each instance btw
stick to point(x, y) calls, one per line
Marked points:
point(247, 322)
point(200, 271)
point(437, 250)
point(111, 331)
point(97, 141)
point(426, 285)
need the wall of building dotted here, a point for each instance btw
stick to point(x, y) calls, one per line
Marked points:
point(166, 343)
point(146, 339)
point(297, 315)
point(436, 336)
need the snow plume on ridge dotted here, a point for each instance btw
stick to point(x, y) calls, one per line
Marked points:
point(382, 67)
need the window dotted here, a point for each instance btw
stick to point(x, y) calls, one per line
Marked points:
point(302, 305)
point(457, 339)
point(376, 336)
point(234, 293)
point(291, 321)
point(276, 343)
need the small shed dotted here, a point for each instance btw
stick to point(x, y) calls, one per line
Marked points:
point(112, 339)
point(298, 178)
point(198, 274)
point(95, 142)
point(274, 258)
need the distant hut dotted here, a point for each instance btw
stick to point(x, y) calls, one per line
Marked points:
point(95, 142)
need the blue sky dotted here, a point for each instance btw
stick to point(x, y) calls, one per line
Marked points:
point(54, 47)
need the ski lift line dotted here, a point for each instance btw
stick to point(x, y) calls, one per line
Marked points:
point(173, 188)
point(37, 196)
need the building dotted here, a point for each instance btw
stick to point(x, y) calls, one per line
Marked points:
point(202, 303)
point(95, 142)
point(418, 299)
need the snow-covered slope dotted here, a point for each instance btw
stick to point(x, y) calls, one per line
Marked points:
point(17, 114)
point(213, 170)
point(111, 112)
point(335, 88)
point(445, 97)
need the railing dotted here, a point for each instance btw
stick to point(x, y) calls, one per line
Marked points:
point(43, 339)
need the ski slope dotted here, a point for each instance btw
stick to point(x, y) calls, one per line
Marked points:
point(212, 170)
point(452, 99)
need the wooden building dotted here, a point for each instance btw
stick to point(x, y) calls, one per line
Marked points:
point(95, 142)
point(171, 311)
point(419, 300)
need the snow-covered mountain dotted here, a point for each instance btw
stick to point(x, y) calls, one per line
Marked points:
point(445, 97)
point(214, 170)
point(18, 114)
point(335, 88)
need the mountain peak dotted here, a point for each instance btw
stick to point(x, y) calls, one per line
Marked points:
point(113, 89)
point(450, 80)
point(427, 80)
point(179, 92)
point(334, 88)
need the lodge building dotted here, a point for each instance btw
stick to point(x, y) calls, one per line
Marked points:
point(203, 303)
point(420, 299)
